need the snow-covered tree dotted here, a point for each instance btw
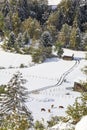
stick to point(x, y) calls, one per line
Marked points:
point(12, 103)
point(11, 40)
point(46, 38)
point(23, 9)
point(19, 41)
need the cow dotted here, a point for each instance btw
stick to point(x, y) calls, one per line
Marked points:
point(61, 107)
point(43, 109)
point(52, 105)
point(49, 110)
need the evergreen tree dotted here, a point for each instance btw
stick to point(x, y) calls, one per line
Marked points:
point(19, 41)
point(14, 100)
point(11, 40)
point(75, 38)
point(6, 8)
point(84, 41)
point(78, 109)
point(46, 39)
point(33, 27)
point(58, 48)
point(16, 23)
point(78, 39)
point(26, 38)
point(1, 23)
point(64, 35)
point(23, 9)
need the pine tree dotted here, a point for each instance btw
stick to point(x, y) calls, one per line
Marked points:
point(19, 41)
point(16, 23)
point(13, 102)
point(78, 109)
point(33, 27)
point(26, 38)
point(75, 38)
point(2, 27)
point(23, 9)
point(46, 39)
point(64, 35)
point(11, 40)
point(58, 48)
point(6, 8)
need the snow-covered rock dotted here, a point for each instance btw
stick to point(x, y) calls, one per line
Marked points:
point(82, 124)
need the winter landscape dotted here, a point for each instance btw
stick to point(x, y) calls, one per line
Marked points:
point(49, 50)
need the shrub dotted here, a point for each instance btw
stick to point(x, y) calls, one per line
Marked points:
point(2, 89)
point(78, 109)
point(22, 66)
point(39, 126)
point(53, 121)
point(37, 56)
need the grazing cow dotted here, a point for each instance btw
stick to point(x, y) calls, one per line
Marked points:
point(49, 110)
point(61, 107)
point(52, 105)
point(43, 109)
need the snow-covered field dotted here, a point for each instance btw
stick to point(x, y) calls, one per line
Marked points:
point(13, 60)
point(55, 77)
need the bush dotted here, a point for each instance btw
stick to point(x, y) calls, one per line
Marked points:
point(2, 89)
point(78, 109)
point(86, 56)
point(37, 56)
point(26, 50)
point(39, 126)
point(15, 122)
point(53, 121)
point(22, 66)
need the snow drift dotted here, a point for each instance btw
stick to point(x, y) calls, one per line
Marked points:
point(82, 124)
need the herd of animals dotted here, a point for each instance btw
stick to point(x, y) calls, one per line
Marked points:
point(49, 110)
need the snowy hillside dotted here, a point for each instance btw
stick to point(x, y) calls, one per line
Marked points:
point(13, 60)
point(54, 78)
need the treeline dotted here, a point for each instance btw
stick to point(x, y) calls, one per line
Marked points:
point(14, 12)
point(42, 27)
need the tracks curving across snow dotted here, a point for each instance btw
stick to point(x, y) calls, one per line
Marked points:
point(60, 80)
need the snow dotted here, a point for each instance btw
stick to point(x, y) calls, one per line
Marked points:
point(45, 76)
point(82, 124)
point(53, 2)
point(77, 54)
point(62, 126)
point(15, 60)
